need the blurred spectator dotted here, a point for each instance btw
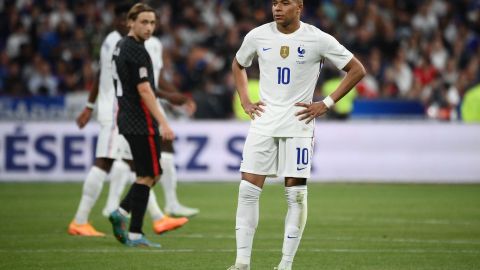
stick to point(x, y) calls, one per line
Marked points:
point(402, 74)
point(88, 76)
point(425, 20)
point(42, 82)
point(424, 74)
point(61, 14)
point(3, 72)
point(14, 85)
point(16, 39)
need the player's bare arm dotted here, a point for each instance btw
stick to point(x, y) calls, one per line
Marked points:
point(355, 72)
point(148, 98)
point(169, 92)
point(174, 98)
point(241, 82)
point(86, 114)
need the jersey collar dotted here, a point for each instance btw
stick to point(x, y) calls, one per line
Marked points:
point(291, 35)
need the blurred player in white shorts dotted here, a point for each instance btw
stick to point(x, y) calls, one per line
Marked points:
point(280, 140)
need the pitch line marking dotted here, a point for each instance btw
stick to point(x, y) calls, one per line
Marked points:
point(314, 250)
point(305, 238)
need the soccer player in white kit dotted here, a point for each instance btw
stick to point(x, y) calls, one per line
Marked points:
point(108, 140)
point(169, 177)
point(280, 140)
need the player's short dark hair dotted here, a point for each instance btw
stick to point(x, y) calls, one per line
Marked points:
point(121, 8)
point(137, 9)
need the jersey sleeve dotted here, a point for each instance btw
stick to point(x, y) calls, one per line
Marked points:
point(140, 67)
point(154, 48)
point(160, 54)
point(336, 52)
point(247, 51)
point(103, 53)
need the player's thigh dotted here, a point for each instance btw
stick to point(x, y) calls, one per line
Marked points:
point(123, 148)
point(295, 157)
point(146, 154)
point(167, 146)
point(260, 154)
point(107, 141)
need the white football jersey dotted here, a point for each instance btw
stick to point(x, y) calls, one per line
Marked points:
point(154, 48)
point(107, 105)
point(289, 68)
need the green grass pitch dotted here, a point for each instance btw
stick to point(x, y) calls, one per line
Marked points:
point(350, 226)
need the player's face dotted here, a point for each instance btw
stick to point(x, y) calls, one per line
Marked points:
point(121, 24)
point(143, 26)
point(285, 11)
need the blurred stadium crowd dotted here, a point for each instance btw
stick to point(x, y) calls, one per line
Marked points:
point(421, 50)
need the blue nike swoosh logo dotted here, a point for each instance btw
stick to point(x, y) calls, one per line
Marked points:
point(299, 169)
point(266, 49)
point(291, 237)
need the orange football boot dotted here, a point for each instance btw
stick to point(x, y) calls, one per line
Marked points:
point(83, 230)
point(168, 224)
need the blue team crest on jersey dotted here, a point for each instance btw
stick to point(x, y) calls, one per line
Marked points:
point(284, 51)
point(301, 51)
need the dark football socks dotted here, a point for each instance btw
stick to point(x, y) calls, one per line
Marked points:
point(138, 203)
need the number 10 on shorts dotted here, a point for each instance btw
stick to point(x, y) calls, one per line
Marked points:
point(302, 156)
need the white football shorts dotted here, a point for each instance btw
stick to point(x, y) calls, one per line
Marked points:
point(277, 156)
point(123, 148)
point(110, 144)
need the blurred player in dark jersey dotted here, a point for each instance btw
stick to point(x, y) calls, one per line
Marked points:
point(138, 121)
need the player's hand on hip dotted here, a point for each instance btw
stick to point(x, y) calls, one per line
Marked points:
point(254, 109)
point(167, 133)
point(311, 111)
point(84, 117)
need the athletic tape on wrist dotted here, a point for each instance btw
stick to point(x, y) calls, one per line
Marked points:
point(328, 102)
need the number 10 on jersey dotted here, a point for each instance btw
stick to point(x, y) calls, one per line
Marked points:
point(283, 75)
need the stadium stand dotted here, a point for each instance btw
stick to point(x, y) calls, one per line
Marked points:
point(425, 52)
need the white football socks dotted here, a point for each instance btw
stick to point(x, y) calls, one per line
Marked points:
point(123, 212)
point(134, 236)
point(294, 222)
point(169, 179)
point(92, 187)
point(119, 176)
point(246, 220)
point(153, 208)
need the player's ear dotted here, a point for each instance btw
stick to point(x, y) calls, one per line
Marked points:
point(300, 5)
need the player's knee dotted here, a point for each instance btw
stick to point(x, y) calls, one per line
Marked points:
point(167, 146)
point(130, 164)
point(148, 181)
point(293, 181)
point(104, 164)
